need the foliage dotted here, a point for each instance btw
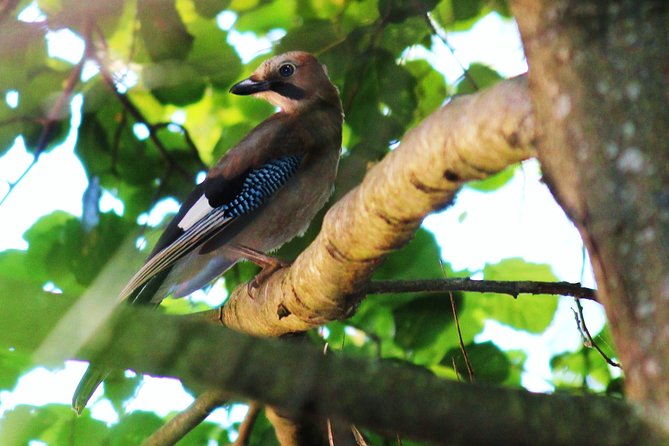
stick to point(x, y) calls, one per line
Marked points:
point(184, 64)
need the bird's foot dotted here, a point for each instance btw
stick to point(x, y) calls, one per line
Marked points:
point(268, 264)
point(267, 270)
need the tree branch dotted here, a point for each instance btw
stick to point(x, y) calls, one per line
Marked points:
point(604, 152)
point(486, 132)
point(246, 427)
point(511, 287)
point(185, 421)
point(298, 378)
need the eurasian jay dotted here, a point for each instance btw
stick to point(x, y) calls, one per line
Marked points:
point(262, 193)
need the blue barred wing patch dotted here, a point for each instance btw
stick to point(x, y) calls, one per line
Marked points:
point(258, 186)
point(262, 183)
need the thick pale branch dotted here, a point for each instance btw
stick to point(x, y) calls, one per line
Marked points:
point(469, 138)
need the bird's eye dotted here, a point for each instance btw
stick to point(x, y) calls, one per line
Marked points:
point(287, 70)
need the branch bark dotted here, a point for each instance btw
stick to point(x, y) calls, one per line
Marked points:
point(298, 378)
point(302, 381)
point(175, 429)
point(598, 76)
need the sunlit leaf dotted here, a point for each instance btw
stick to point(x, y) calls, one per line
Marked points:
point(531, 315)
point(158, 19)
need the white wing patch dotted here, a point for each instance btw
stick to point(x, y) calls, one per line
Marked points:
point(195, 213)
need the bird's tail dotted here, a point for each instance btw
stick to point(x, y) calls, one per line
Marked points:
point(89, 382)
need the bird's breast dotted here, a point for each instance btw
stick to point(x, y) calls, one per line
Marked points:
point(290, 211)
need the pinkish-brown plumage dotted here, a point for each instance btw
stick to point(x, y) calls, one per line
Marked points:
point(261, 194)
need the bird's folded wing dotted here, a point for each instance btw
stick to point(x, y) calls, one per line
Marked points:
point(200, 222)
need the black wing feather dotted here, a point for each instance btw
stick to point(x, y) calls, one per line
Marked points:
point(257, 186)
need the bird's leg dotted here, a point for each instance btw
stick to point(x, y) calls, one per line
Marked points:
point(268, 264)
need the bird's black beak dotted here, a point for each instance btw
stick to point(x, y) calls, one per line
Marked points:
point(249, 86)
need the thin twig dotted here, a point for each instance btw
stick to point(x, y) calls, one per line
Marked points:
point(444, 40)
point(513, 288)
point(359, 438)
point(455, 369)
point(52, 118)
point(184, 422)
point(139, 117)
point(246, 427)
point(330, 433)
point(591, 342)
point(470, 371)
point(108, 78)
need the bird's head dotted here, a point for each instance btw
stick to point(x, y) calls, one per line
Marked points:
point(293, 81)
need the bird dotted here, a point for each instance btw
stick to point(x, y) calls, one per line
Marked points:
point(261, 194)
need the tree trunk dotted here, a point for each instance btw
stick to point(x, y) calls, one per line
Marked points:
point(598, 74)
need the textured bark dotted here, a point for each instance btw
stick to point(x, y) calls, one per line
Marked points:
point(598, 76)
point(384, 396)
point(298, 378)
point(469, 138)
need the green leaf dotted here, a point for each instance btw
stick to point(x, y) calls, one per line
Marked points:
point(430, 90)
point(164, 34)
point(313, 36)
point(211, 57)
point(51, 424)
point(264, 16)
point(23, 44)
point(421, 321)
point(13, 364)
point(379, 91)
point(75, 14)
point(45, 88)
point(134, 428)
point(210, 8)
point(482, 77)
point(119, 388)
point(419, 259)
point(61, 251)
point(586, 367)
point(494, 182)
point(466, 9)
point(397, 11)
point(532, 315)
point(174, 82)
point(263, 432)
point(398, 36)
point(488, 362)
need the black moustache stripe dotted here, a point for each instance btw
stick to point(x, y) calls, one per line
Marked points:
point(288, 90)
